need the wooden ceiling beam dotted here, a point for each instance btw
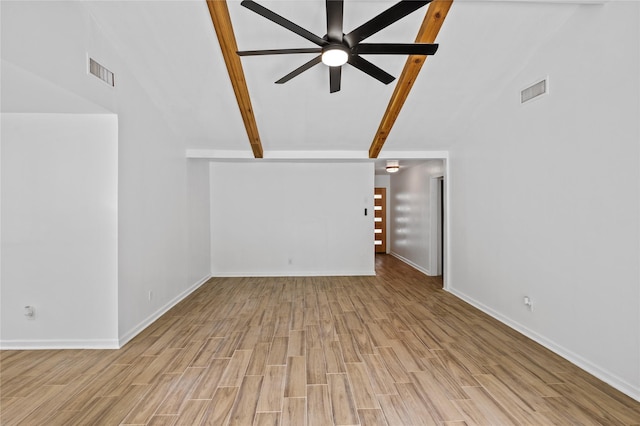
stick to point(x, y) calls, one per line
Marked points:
point(219, 12)
point(433, 20)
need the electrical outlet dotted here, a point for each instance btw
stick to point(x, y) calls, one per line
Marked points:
point(528, 302)
point(30, 312)
point(150, 295)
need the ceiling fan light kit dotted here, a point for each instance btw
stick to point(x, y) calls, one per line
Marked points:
point(335, 55)
point(336, 49)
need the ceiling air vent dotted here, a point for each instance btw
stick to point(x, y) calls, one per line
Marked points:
point(535, 90)
point(101, 72)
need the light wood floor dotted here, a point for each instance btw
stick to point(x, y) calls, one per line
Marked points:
point(392, 349)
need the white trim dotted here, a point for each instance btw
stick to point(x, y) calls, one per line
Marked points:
point(157, 314)
point(317, 155)
point(294, 274)
point(52, 344)
point(218, 153)
point(435, 253)
point(423, 155)
point(447, 225)
point(410, 263)
point(604, 375)
point(222, 154)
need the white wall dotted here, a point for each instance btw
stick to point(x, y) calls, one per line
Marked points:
point(411, 214)
point(545, 198)
point(199, 217)
point(44, 54)
point(284, 218)
point(59, 230)
point(161, 231)
point(153, 215)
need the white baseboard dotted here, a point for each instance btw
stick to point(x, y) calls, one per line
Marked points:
point(99, 343)
point(54, 344)
point(161, 311)
point(412, 264)
point(602, 374)
point(234, 274)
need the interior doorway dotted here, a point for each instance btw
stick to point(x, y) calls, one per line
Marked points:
point(380, 220)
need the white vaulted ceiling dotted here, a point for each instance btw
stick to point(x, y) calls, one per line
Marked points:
point(172, 50)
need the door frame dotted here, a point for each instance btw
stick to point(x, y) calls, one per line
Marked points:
point(439, 206)
point(436, 234)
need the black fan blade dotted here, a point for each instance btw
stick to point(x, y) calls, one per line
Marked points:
point(300, 70)
point(274, 17)
point(334, 20)
point(278, 51)
point(383, 20)
point(395, 49)
point(335, 74)
point(367, 67)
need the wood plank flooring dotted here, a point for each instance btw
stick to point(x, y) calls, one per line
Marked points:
point(393, 349)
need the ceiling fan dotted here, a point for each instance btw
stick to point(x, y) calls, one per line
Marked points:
point(336, 48)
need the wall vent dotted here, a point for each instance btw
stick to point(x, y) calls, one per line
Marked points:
point(535, 90)
point(101, 72)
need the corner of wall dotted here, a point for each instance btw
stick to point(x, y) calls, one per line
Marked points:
point(604, 375)
point(133, 332)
